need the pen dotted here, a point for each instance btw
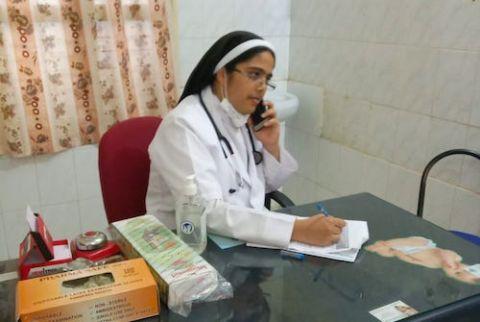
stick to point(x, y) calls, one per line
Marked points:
point(286, 253)
point(322, 209)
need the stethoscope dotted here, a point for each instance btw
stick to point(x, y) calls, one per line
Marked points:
point(257, 155)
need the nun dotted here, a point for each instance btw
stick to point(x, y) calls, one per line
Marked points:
point(209, 134)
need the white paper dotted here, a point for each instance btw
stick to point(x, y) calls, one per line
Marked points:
point(31, 219)
point(354, 234)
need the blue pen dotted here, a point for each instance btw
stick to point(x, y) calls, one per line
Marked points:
point(322, 209)
point(286, 253)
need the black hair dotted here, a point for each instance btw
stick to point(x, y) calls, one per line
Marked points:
point(203, 76)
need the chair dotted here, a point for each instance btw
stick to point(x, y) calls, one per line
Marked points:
point(423, 184)
point(124, 167)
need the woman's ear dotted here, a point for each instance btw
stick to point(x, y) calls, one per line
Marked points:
point(220, 83)
point(221, 74)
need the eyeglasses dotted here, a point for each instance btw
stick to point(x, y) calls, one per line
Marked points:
point(257, 77)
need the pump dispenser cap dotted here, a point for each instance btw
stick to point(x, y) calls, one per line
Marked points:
point(190, 187)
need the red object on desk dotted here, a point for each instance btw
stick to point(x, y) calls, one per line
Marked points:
point(33, 264)
point(108, 250)
point(42, 240)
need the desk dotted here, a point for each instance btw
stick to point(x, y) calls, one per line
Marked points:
point(271, 288)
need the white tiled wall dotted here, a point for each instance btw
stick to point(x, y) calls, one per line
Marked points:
point(401, 83)
point(65, 187)
point(201, 23)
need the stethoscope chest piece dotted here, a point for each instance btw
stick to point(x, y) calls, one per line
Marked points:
point(257, 157)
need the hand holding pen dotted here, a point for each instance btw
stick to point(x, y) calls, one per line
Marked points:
point(320, 207)
point(321, 229)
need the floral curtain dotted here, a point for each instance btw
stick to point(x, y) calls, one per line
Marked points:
point(70, 69)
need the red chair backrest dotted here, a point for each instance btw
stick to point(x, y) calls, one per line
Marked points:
point(124, 166)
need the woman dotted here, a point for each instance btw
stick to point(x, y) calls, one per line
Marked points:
point(208, 134)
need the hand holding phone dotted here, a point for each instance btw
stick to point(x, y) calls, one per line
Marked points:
point(257, 119)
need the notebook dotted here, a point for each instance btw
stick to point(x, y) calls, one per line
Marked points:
point(354, 235)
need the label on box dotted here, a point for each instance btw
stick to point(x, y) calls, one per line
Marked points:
point(122, 291)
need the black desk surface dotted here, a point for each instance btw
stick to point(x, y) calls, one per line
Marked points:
point(268, 287)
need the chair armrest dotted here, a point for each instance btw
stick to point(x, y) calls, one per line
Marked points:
point(278, 197)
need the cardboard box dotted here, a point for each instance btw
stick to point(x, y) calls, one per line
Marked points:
point(122, 291)
point(181, 273)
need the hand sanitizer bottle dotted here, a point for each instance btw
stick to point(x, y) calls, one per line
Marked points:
point(190, 216)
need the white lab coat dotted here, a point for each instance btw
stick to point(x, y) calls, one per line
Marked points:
point(186, 143)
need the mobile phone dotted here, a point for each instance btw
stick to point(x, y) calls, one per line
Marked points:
point(257, 119)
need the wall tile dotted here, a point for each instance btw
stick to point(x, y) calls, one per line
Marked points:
point(385, 71)
point(376, 176)
point(339, 56)
point(402, 188)
point(411, 140)
point(475, 115)
point(3, 240)
point(56, 178)
point(309, 116)
point(334, 119)
point(18, 183)
point(359, 81)
point(291, 188)
point(466, 211)
point(292, 137)
point(328, 165)
point(302, 60)
point(406, 22)
point(352, 171)
point(323, 194)
point(392, 23)
point(381, 132)
point(92, 214)
point(303, 147)
point(190, 50)
point(306, 154)
point(415, 79)
point(455, 24)
point(249, 16)
point(471, 165)
point(220, 16)
point(86, 170)
point(444, 136)
point(277, 17)
point(438, 203)
point(454, 85)
point(16, 229)
point(307, 191)
point(305, 19)
point(281, 45)
point(339, 17)
point(355, 123)
point(416, 20)
point(190, 19)
point(63, 220)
